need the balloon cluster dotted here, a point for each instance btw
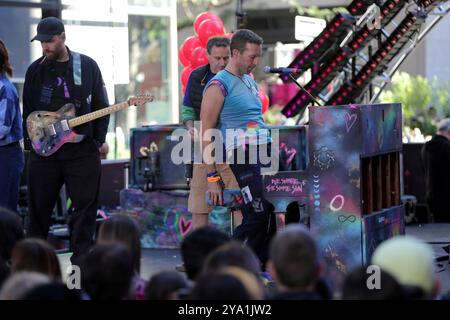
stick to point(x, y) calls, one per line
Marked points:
point(192, 53)
point(264, 101)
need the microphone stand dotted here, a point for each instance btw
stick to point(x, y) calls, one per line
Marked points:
point(305, 91)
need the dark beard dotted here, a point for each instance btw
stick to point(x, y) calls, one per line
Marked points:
point(54, 56)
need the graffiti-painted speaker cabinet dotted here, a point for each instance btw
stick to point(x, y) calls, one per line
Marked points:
point(354, 181)
point(151, 167)
point(164, 217)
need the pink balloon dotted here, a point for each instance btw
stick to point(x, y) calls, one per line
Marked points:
point(189, 45)
point(185, 75)
point(208, 29)
point(198, 57)
point(204, 16)
point(183, 60)
point(264, 101)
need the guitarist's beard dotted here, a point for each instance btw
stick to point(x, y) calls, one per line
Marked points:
point(51, 55)
point(55, 55)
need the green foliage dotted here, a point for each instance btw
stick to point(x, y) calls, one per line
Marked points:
point(273, 115)
point(423, 103)
point(314, 11)
point(193, 7)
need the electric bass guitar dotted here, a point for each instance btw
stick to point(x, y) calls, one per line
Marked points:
point(48, 131)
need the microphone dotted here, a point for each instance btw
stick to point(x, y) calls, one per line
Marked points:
point(268, 69)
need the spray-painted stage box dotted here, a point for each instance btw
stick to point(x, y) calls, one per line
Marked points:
point(351, 185)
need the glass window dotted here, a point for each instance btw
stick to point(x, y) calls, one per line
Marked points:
point(149, 73)
point(150, 3)
point(22, 22)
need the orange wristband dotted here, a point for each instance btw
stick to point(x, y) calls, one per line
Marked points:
point(214, 179)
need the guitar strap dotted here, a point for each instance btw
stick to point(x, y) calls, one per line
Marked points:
point(76, 66)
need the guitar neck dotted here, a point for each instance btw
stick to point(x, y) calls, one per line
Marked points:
point(97, 114)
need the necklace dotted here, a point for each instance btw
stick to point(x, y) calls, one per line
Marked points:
point(249, 86)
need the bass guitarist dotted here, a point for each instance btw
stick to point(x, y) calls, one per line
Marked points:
point(60, 77)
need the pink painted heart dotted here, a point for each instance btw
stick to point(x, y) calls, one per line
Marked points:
point(185, 226)
point(350, 120)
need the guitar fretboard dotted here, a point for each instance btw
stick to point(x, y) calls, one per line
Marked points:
point(97, 114)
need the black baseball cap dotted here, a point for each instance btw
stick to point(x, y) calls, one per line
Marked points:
point(47, 28)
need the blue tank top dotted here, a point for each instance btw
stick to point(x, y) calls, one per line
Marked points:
point(240, 120)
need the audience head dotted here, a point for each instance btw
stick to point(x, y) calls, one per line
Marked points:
point(252, 282)
point(232, 254)
point(230, 283)
point(166, 285)
point(294, 261)
point(4, 271)
point(356, 286)
point(443, 127)
point(124, 229)
point(11, 231)
point(410, 261)
point(107, 272)
point(5, 65)
point(196, 247)
point(33, 254)
point(19, 284)
point(53, 291)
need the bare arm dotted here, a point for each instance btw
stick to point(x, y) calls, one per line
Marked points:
point(209, 116)
point(212, 104)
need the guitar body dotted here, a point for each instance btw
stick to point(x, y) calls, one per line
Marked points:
point(48, 131)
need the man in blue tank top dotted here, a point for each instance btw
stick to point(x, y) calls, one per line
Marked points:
point(231, 105)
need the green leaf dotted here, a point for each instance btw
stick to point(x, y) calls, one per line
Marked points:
point(423, 103)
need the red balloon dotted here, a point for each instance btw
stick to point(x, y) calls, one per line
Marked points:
point(209, 28)
point(204, 16)
point(264, 101)
point(185, 75)
point(198, 57)
point(183, 60)
point(189, 45)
